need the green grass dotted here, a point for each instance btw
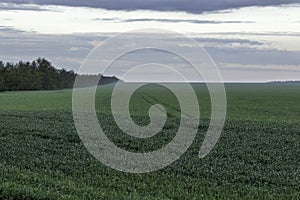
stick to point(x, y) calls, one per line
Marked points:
point(257, 156)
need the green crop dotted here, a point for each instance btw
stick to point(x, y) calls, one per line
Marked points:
point(257, 156)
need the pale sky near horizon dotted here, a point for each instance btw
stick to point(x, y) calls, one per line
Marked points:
point(248, 43)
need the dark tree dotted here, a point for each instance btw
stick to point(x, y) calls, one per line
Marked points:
point(35, 75)
point(40, 74)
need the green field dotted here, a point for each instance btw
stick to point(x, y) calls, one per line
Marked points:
point(257, 156)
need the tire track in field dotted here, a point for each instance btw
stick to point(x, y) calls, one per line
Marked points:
point(152, 103)
point(152, 100)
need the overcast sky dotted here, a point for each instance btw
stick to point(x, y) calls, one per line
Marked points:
point(249, 40)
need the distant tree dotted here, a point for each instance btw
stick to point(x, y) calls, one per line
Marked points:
point(35, 75)
point(40, 74)
point(47, 74)
point(10, 77)
point(2, 80)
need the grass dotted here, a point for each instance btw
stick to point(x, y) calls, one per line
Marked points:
point(257, 156)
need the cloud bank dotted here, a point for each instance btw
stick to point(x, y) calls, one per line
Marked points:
point(191, 6)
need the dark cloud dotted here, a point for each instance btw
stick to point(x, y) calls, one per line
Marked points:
point(262, 68)
point(21, 7)
point(65, 51)
point(193, 6)
point(227, 41)
point(256, 34)
point(107, 19)
point(187, 20)
point(173, 20)
point(253, 56)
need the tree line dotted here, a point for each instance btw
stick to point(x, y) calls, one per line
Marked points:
point(39, 74)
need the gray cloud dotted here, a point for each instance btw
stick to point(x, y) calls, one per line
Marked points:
point(227, 41)
point(255, 34)
point(21, 7)
point(253, 56)
point(193, 21)
point(260, 68)
point(68, 51)
point(107, 19)
point(173, 21)
point(189, 21)
point(192, 6)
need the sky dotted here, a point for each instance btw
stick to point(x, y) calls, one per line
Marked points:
point(249, 40)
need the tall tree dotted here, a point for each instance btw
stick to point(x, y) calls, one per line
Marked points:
point(40, 74)
point(2, 81)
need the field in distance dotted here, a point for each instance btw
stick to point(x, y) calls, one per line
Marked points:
point(257, 156)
